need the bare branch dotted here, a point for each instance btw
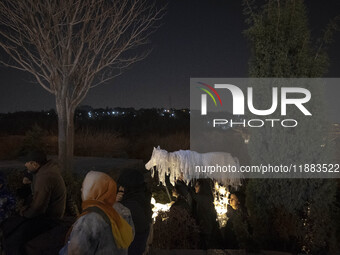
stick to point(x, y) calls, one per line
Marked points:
point(72, 46)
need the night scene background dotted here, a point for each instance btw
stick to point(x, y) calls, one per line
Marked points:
point(196, 38)
point(120, 122)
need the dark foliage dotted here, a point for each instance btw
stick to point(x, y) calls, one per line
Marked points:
point(175, 230)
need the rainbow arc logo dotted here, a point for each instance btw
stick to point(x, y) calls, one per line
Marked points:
point(204, 97)
point(209, 93)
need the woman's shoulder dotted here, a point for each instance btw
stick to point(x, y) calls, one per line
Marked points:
point(91, 221)
point(90, 234)
point(93, 216)
point(122, 210)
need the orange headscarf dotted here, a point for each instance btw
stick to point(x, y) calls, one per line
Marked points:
point(100, 190)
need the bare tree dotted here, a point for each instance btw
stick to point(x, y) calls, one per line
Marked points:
point(70, 46)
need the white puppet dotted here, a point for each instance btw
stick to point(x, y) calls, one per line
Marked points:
point(188, 165)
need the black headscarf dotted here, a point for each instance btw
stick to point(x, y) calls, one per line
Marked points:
point(205, 188)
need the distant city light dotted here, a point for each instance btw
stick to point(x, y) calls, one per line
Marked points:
point(100, 113)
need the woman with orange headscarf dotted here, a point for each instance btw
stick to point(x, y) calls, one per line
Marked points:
point(99, 229)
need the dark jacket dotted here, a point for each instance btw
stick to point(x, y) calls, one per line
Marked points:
point(49, 193)
point(235, 218)
point(137, 199)
point(140, 209)
point(206, 218)
point(182, 203)
point(230, 240)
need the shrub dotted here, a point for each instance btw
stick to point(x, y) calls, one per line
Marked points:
point(141, 147)
point(10, 147)
point(175, 229)
point(100, 144)
point(34, 140)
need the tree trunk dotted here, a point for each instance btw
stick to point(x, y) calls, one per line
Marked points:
point(65, 134)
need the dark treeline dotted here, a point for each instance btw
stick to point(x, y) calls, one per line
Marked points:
point(125, 121)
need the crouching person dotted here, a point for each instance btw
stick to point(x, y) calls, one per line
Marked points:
point(99, 229)
point(46, 209)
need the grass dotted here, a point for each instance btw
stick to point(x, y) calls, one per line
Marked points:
point(92, 143)
point(98, 144)
point(10, 146)
point(142, 147)
point(102, 144)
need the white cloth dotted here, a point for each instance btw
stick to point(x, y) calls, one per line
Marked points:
point(188, 165)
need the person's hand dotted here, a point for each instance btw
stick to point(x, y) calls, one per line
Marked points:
point(120, 194)
point(25, 180)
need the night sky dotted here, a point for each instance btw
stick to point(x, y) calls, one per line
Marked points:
point(197, 38)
